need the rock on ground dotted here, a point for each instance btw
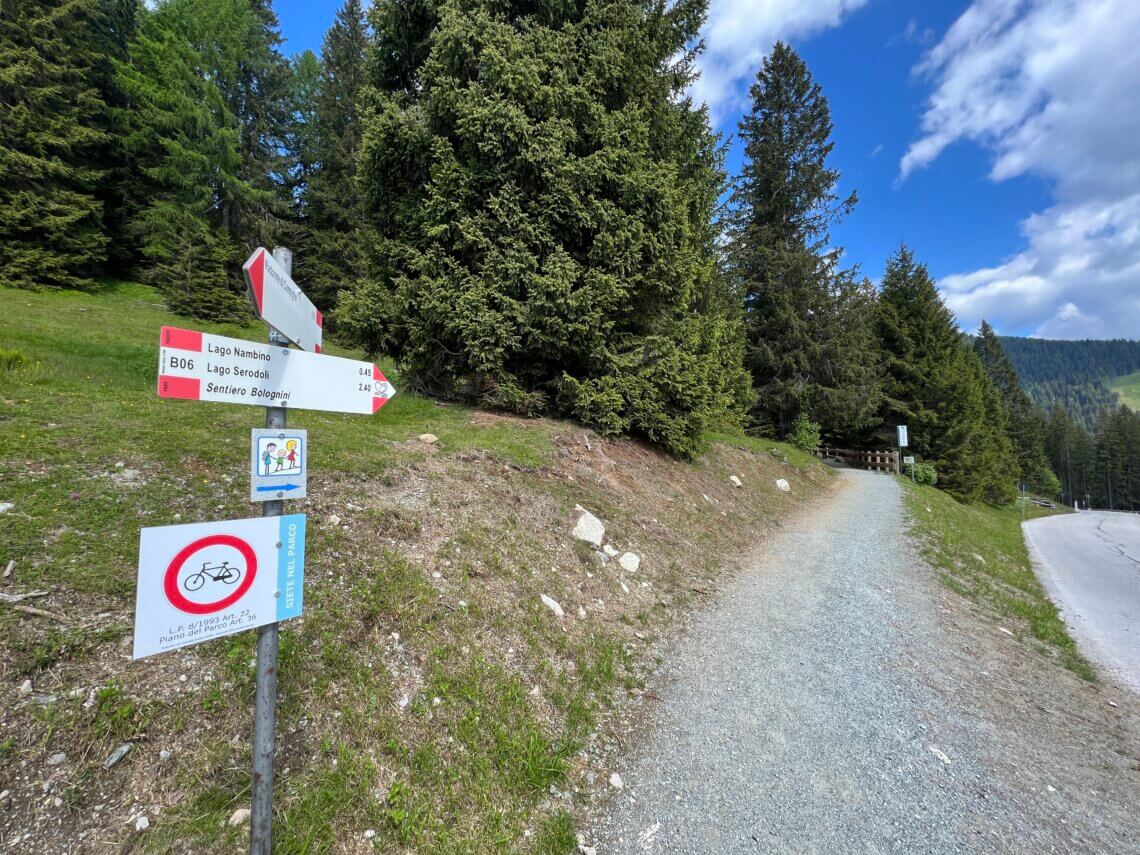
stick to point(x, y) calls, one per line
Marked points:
point(553, 605)
point(783, 485)
point(588, 527)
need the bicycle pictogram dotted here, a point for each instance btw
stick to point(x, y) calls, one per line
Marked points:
point(217, 573)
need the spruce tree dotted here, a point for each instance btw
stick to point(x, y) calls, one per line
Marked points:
point(186, 62)
point(936, 385)
point(199, 209)
point(809, 329)
point(331, 257)
point(1026, 425)
point(260, 97)
point(1115, 482)
point(117, 23)
point(538, 193)
point(52, 131)
point(301, 136)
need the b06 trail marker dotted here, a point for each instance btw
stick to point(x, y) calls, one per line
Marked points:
point(281, 304)
point(198, 366)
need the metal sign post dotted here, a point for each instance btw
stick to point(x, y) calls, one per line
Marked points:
point(243, 554)
point(265, 702)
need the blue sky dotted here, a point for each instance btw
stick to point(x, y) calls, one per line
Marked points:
point(997, 137)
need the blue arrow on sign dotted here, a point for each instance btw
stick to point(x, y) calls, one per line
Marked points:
point(274, 488)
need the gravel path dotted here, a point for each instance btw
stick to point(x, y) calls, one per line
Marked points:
point(836, 698)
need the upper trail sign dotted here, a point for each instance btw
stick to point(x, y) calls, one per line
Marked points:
point(202, 367)
point(281, 304)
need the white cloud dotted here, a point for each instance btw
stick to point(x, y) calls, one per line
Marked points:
point(1050, 88)
point(914, 33)
point(739, 33)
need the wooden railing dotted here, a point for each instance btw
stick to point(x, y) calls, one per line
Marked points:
point(878, 461)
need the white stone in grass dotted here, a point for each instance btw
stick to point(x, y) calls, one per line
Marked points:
point(588, 527)
point(735, 481)
point(428, 438)
point(369, 833)
point(625, 587)
point(238, 817)
point(26, 687)
point(581, 613)
point(553, 605)
point(142, 823)
point(629, 562)
point(334, 519)
point(611, 550)
point(6, 506)
point(56, 759)
point(783, 485)
point(616, 782)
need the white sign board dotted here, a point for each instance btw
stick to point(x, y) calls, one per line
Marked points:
point(278, 464)
point(198, 366)
point(206, 580)
point(902, 436)
point(281, 304)
point(909, 460)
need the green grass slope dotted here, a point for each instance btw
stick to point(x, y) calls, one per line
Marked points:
point(1128, 388)
point(427, 694)
point(979, 552)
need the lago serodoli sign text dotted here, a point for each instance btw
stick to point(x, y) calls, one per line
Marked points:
point(198, 366)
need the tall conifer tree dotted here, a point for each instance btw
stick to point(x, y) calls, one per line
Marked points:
point(52, 131)
point(331, 203)
point(538, 194)
point(203, 133)
point(936, 385)
point(810, 343)
point(1025, 424)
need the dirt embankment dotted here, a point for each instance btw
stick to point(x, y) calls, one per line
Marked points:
point(430, 700)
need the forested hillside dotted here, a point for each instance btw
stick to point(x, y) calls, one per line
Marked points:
point(519, 204)
point(1076, 374)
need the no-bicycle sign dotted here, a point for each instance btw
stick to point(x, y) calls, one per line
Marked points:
point(205, 580)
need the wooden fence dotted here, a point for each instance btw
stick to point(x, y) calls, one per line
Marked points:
point(878, 461)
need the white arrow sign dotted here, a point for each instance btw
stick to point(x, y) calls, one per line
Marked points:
point(198, 366)
point(281, 304)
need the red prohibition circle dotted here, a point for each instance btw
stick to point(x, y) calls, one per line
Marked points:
point(170, 581)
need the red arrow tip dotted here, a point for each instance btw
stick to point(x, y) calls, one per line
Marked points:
point(255, 273)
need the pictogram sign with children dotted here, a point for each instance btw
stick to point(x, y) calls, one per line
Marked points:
point(278, 456)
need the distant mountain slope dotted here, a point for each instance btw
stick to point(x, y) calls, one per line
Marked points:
point(1128, 388)
point(1079, 374)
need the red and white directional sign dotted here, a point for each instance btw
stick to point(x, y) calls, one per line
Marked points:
point(198, 366)
point(281, 304)
point(205, 580)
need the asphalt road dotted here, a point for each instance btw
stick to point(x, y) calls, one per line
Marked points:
point(836, 698)
point(1090, 565)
